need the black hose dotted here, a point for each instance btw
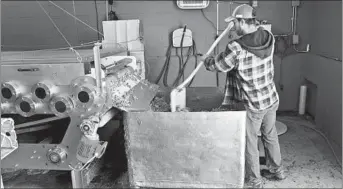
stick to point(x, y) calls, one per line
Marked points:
point(165, 78)
point(195, 54)
point(181, 47)
point(177, 79)
point(163, 68)
point(182, 65)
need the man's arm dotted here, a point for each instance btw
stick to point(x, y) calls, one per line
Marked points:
point(224, 61)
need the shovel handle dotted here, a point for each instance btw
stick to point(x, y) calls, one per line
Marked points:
point(189, 78)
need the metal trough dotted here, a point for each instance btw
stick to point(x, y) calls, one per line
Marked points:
point(195, 149)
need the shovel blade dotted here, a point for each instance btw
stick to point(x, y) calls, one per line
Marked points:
point(138, 98)
point(142, 95)
point(178, 100)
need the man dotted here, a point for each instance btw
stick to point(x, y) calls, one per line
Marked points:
point(248, 62)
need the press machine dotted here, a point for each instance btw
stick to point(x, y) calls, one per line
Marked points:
point(90, 90)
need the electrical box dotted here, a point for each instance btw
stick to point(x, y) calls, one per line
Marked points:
point(187, 39)
point(192, 4)
point(295, 39)
point(295, 3)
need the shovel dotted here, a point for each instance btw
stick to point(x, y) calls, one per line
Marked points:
point(178, 95)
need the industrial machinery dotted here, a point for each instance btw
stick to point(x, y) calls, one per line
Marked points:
point(90, 90)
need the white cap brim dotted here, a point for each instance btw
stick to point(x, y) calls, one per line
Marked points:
point(229, 19)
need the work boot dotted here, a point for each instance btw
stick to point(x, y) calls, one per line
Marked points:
point(280, 175)
point(254, 184)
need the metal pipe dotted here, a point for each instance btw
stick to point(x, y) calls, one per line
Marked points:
point(1, 181)
point(38, 122)
point(294, 28)
point(97, 65)
point(77, 179)
point(292, 24)
point(106, 5)
point(295, 20)
point(282, 35)
point(328, 57)
point(217, 33)
point(217, 17)
point(33, 129)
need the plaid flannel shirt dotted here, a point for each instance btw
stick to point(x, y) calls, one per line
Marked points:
point(249, 78)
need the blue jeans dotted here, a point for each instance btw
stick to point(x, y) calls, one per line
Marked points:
point(265, 121)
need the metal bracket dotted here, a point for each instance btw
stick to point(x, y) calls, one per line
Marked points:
point(87, 151)
point(306, 51)
point(9, 141)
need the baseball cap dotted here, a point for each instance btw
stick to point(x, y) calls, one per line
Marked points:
point(244, 11)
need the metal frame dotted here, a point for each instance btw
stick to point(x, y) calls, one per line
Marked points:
point(40, 156)
point(30, 156)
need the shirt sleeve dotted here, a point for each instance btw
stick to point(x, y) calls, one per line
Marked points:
point(225, 61)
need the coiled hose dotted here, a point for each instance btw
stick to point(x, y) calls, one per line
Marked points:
point(182, 65)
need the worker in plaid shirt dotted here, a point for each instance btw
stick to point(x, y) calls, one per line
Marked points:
point(248, 62)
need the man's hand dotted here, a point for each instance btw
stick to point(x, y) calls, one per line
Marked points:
point(231, 24)
point(208, 62)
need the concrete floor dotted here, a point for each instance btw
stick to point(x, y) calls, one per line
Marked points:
point(307, 157)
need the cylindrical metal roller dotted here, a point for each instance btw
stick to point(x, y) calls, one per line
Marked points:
point(10, 91)
point(90, 126)
point(25, 106)
point(56, 155)
point(43, 91)
point(61, 105)
point(85, 93)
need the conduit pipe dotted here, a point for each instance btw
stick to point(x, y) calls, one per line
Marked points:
point(97, 65)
